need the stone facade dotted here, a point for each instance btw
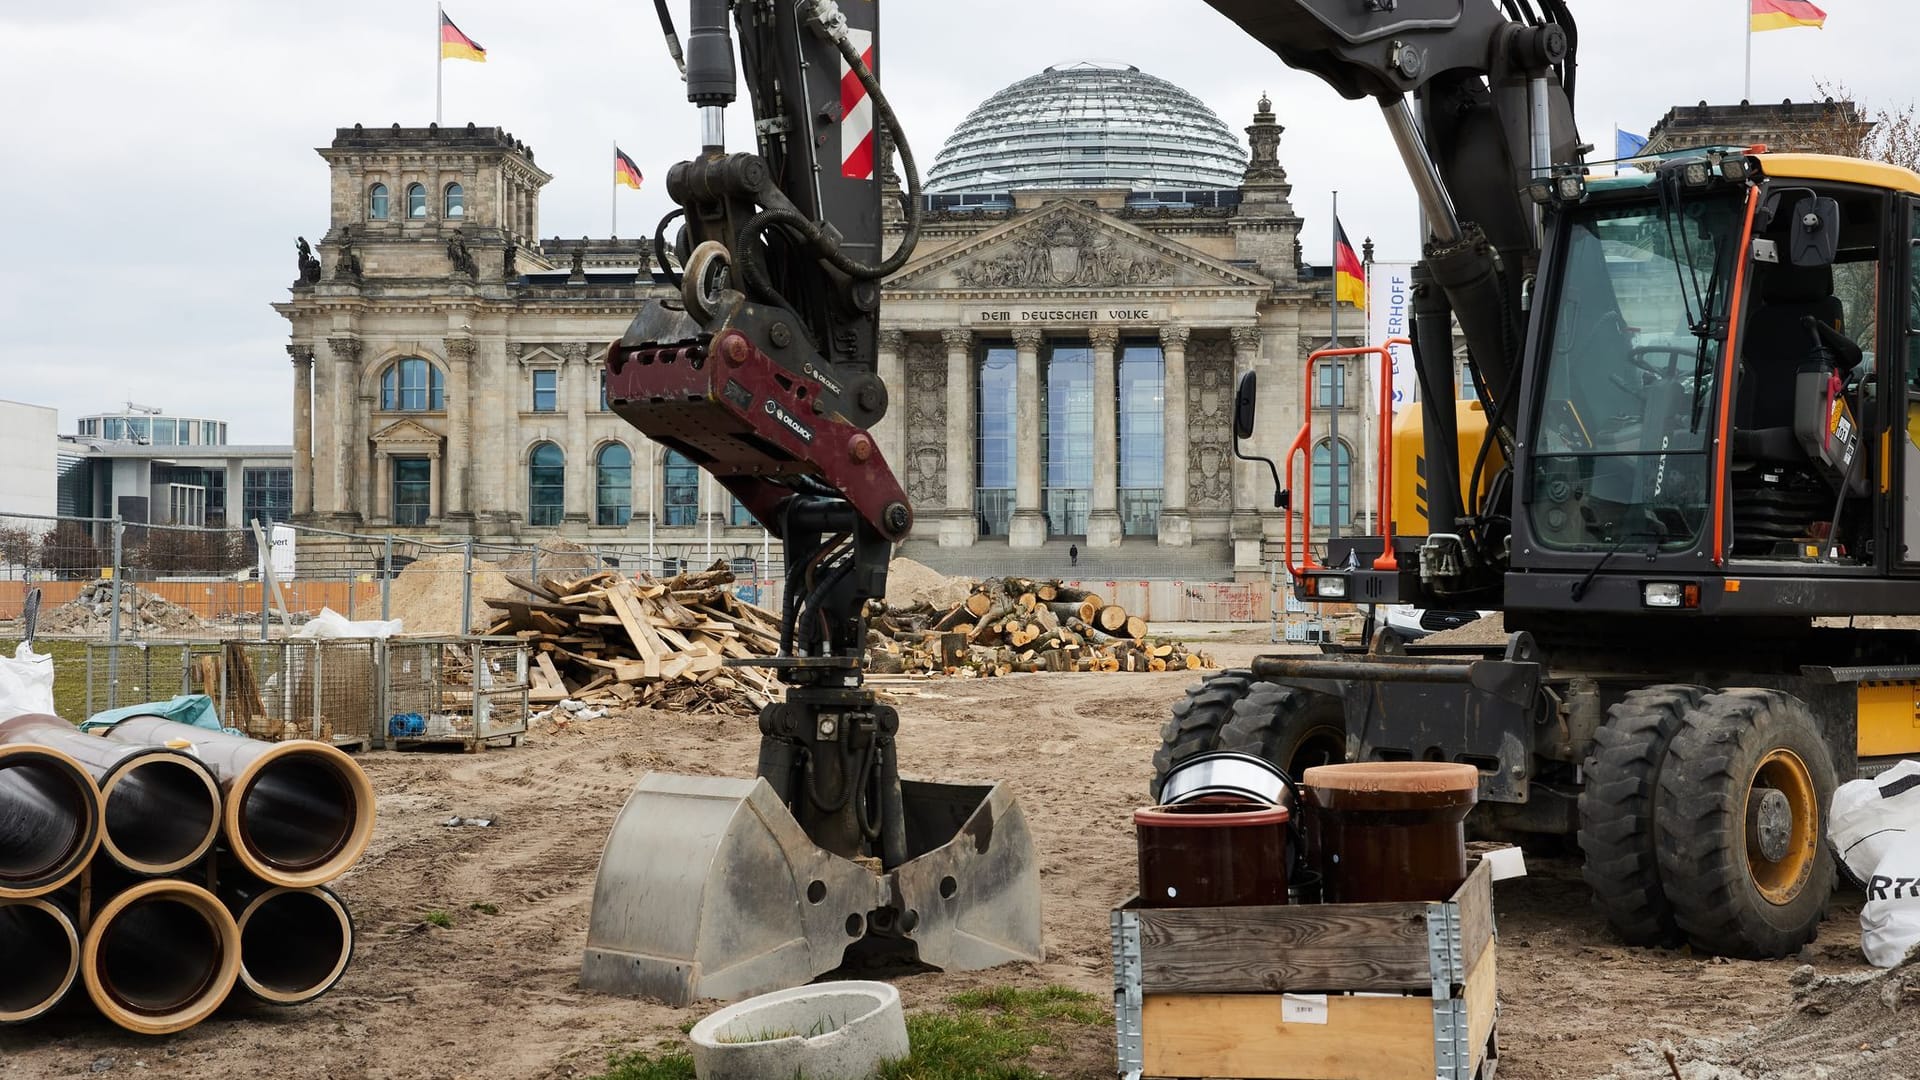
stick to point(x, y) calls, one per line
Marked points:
point(511, 327)
point(1789, 127)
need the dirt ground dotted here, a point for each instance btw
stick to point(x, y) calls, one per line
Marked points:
point(496, 995)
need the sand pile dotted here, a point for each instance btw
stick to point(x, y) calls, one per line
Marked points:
point(910, 583)
point(1485, 630)
point(425, 597)
point(1838, 1027)
point(557, 556)
point(141, 612)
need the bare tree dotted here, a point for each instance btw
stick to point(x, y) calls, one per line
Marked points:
point(1849, 129)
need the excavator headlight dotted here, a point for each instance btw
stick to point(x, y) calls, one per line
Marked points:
point(1696, 174)
point(1540, 191)
point(1670, 594)
point(1329, 586)
point(1570, 187)
point(1734, 167)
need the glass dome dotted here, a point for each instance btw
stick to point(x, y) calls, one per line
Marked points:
point(1089, 126)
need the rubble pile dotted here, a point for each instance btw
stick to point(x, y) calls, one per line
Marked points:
point(141, 612)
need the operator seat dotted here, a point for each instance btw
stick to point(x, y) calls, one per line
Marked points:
point(1774, 345)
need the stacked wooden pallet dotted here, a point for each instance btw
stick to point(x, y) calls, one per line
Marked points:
point(1009, 625)
point(605, 639)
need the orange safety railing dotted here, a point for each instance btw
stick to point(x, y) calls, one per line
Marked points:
point(1303, 445)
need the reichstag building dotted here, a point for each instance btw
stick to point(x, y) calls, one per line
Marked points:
point(1100, 257)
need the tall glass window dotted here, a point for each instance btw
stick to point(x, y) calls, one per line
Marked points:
point(165, 431)
point(1326, 475)
point(1141, 385)
point(266, 494)
point(680, 490)
point(1066, 436)
point(737, 515)
point(546, 485)
point(456, 201)
point(416, 201)
point(412, 490)
point(613, 485)
point(412, 385)
point(546, 391)
point(997, 399)
point(1330, 378)
point(377, 202)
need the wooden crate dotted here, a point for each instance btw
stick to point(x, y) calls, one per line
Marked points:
point(1391, 991)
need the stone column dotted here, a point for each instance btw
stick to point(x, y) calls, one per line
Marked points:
point(1103, 523)
point(324, 488)
point(350, 419)
point(1029, 525)
point(579, 489)
point(459, 478)
point(383, 508)
point(302, 429)
point(642, 497)
point(1247, 491)
point(1176, 529)
point(958, 528)
point(890, 432)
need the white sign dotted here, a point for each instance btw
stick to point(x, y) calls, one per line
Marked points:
point(1390, 315)
point(1303, 1008)
point(281, 545)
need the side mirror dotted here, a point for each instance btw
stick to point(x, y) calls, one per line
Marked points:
point(1815, 239)
point(1245, 399)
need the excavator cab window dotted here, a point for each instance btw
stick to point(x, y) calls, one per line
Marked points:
point(1625, 419)
point(1805, 397)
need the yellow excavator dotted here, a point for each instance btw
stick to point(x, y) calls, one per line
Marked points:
point(1690, 473)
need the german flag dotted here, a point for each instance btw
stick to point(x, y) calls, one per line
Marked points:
point(455, 45)
point(1349, 277)
point(1785, 15)
point(625, 172)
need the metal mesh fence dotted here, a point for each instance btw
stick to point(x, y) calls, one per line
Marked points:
point(465, 692)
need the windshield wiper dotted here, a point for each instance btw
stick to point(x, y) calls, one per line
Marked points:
point(1704, 331)
point(1653, 537)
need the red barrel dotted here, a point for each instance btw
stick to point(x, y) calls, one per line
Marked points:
point(1212, 854)
point(1389, 830)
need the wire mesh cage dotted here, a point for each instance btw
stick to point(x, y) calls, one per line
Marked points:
point(302, 689)
point(136, 672)
point(461, 691)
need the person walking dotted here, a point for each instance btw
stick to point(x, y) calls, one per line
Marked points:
point(1073, 554)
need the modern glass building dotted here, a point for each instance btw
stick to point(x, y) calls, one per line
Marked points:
point(152, 468)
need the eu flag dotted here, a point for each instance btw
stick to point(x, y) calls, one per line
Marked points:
point(1626, 144)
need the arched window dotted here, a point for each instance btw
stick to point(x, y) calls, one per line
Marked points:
point(412, 385)
point(1325, 483)
point(416, 201)
point(613, 485)
point(377, 202)
point(681, 490)
point(456, 201)
point(546, 485)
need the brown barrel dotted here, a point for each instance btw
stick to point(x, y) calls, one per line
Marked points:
point(1212, 854)
point(1389, 830)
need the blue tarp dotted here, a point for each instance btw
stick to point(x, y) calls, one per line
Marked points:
point(194, 709)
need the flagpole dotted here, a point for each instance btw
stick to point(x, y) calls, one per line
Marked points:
point(1339, 380)
point(439, 62)
point(614, 227)
point(1747, 94)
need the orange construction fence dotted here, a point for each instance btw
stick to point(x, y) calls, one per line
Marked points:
point(211, 599)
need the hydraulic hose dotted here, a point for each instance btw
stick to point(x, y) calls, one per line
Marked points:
point(160, 957)
point(297, 813)
point(50, 820)
point(42, 952)
point(161, 806)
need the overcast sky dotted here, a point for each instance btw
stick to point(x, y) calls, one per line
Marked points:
point(160, 154)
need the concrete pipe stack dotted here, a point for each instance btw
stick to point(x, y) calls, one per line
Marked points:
point(162, 866)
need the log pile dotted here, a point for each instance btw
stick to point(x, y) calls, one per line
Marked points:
point(605, 639)
point(1009, 625)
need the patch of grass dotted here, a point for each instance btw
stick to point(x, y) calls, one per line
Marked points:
point(485, 908)
point(438, 918)
point(991, 1034)
point(635, 1065)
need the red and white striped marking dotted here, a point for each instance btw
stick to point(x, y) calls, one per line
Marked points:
point(856, 113)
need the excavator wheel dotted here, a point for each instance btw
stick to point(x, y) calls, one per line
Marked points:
point(1295, 729)
point(1617, 811)
point(1741, 824)
point(1194, 727)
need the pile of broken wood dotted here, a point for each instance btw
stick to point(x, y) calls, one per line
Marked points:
point(605, 639)
point(1012, 625)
